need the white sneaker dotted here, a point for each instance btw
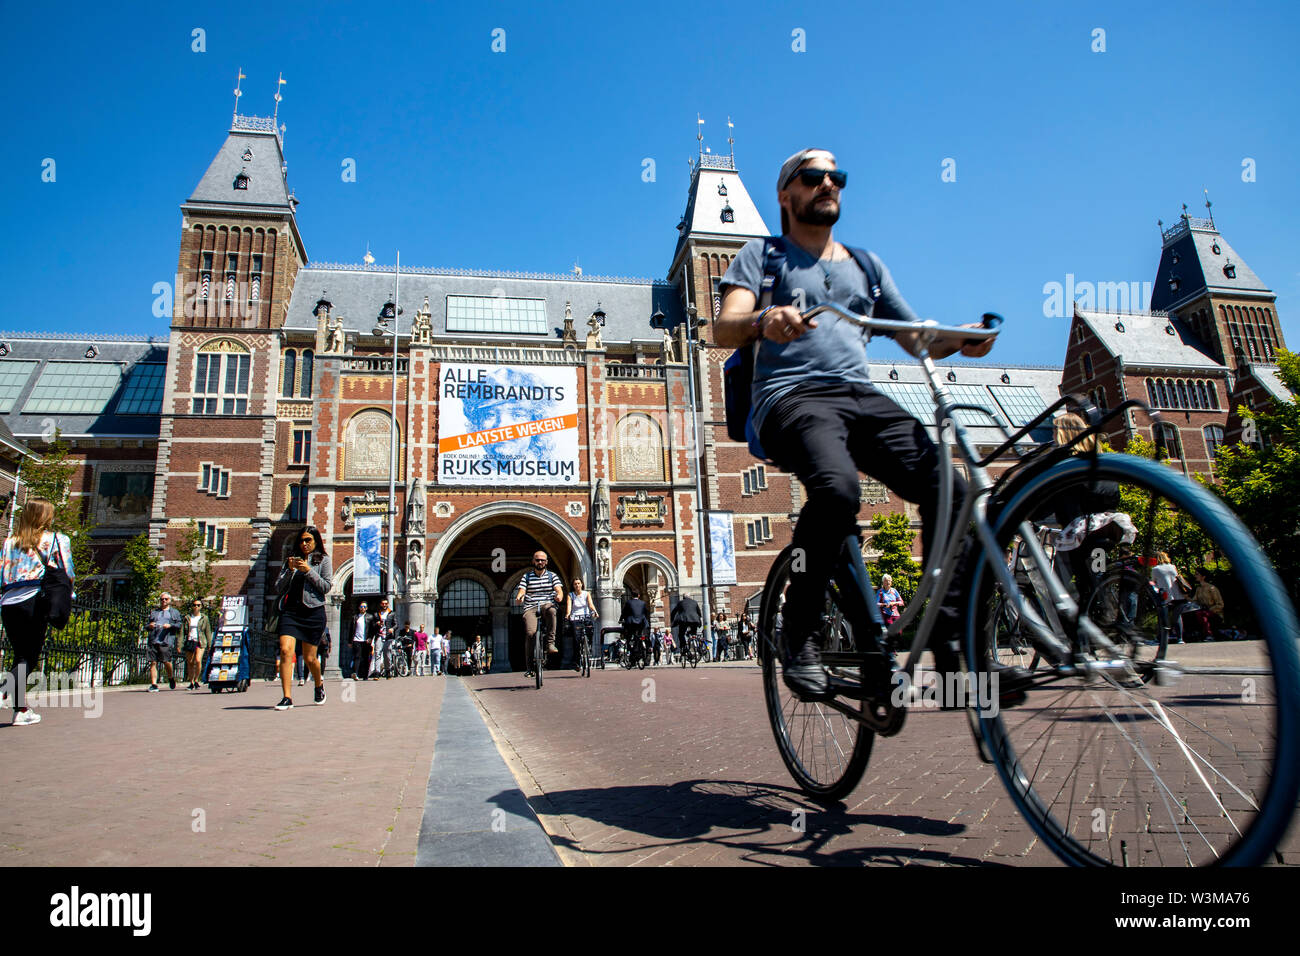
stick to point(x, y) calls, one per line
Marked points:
point(24, 717)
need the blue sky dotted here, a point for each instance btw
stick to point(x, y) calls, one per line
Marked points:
point(531, 159)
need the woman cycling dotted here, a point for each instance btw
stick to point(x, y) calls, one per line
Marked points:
point(581, 614)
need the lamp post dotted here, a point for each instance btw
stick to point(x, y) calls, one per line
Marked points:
point(693, 321)
point(387, 314)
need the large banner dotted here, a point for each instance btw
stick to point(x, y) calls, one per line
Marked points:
point(365, 554)
point(507, 425)
point(722, 547)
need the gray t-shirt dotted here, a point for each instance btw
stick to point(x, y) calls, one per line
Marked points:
point(835, 351)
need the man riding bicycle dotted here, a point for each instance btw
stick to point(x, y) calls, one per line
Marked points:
point(817, 413)
point(540, 591)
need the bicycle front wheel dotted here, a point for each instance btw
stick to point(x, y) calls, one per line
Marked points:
point(539, 658)
point(1131, 756)
point(825, 750)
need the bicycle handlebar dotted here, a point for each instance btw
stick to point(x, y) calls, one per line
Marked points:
point(928, 327)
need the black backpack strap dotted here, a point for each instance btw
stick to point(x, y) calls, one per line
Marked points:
point(867, 262)
point(773, 263)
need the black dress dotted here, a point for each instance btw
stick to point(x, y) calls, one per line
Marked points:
point(307, 624)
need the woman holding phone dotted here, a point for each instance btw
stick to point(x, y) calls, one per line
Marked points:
point(303, 583)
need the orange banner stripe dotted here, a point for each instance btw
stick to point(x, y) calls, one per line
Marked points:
point(507, 433)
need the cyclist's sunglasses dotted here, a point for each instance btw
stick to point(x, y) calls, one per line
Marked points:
point(812, 178)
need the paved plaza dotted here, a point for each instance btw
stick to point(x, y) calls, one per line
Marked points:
point(657, 767)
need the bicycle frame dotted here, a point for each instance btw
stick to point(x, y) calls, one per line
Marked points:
point(941, 565)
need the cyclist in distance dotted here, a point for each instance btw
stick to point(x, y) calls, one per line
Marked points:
point(540, 591)
point(818, 415)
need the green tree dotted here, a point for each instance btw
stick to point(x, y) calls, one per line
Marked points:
point(1159, 526)
point(50, 477)
point(146, 569)
point(893, 539)
point(196, 578)
point(1261, 482)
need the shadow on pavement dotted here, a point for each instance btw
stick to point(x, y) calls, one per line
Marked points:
point(761, 822)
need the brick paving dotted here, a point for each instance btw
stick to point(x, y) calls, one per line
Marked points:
point(685, 772)
point(341, 784)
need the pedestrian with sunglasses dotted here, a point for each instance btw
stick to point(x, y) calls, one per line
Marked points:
point(198, 635)
point(816, 411)
point(26, 558)
point(304, 581)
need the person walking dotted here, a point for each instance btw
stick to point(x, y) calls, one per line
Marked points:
point(28, 555)
point(304, 581)
point(363, 628)
point(1173, 588)
point(198, 635)
point(889, 600)
point(164, 629)
point(1210, 601)
point(722, 627)
point(435, 648)
point(421, 651)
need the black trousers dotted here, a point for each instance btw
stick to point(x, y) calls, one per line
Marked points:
point(360, 660)
point(826, 434)
point(26, 629)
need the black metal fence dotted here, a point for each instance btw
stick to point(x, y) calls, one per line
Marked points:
point(103, 643)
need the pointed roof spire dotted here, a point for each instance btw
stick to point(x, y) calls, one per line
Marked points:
point(282, 81)
point(1207, 205)
point(238, 92)
point(731, 139)
point(699, 132)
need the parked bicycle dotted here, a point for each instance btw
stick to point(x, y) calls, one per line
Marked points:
point(1114, 754)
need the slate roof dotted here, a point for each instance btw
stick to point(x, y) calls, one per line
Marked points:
point(1199, 267)
point(1268, 377)
point(357, 293)
point(1146, 339)
point(266, 178)
point(124, 353)
point(1027, 392)
point(704, 205)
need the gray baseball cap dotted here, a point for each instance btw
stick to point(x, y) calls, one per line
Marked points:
point(791, 165)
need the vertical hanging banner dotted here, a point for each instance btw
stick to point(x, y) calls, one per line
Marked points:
point(365, 554)
point(507, 425)
point(722, 547)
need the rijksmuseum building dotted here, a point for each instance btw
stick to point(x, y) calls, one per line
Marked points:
point(533, 411)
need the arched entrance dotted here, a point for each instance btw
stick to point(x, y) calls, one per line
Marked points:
point(349, 604)
point(481, 557)
point(653, 576)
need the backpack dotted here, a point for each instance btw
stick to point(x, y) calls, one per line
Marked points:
point(738, 370)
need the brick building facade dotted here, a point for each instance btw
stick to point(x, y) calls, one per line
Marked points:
point(270, 407)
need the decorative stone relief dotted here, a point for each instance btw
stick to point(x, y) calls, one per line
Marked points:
point(444, 509)
point(600, 507)
point(642, 508)
point(366, 448)
point(873, 492)
point(415, 508)
point(640, 450)
point(576, 509)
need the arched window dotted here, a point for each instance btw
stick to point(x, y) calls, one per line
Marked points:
point(1151, 394)
point(305, 390)
point(221, 378)
point(1183, 401)
point(1101, 397)
point(1166, 440)
point(1213, 440)
point(287, 373)
point(1087, 366)
point(1201, 394)
point(463, 598)
point(1164, 394)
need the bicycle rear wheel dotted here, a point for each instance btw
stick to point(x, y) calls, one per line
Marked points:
point(825, 750)
point(1133, 760)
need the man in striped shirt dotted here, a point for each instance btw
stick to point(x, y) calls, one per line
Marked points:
point(540, 590)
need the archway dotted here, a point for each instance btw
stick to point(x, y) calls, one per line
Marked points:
point(653, 576)
point(493, 545)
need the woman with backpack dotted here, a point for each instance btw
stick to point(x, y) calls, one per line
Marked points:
point(27, 598)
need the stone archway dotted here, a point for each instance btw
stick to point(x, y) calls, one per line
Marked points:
point(494, 544)
point(632, 570)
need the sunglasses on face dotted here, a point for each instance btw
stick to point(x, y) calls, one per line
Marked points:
point(812, 178)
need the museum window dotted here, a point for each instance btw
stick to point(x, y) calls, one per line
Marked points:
point(1213, 440)
point(301, 446)
point(214, 480)
point(1166, 441)
point(297, 503)
point(287, 373)
point(214, 537)
point(221, 379)
point(305, 373)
